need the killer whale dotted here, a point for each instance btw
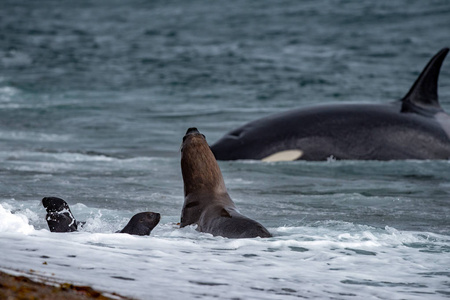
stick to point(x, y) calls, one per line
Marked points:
point(416, 127)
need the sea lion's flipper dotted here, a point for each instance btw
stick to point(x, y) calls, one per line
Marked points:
point(142, 223)
point(225, 213)
point(423, 95)
point(59, 217)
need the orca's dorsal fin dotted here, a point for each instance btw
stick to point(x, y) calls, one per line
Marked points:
point(423, 95)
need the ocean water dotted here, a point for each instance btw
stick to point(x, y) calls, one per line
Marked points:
point(95, 97)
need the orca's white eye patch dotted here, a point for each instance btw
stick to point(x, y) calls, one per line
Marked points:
point(288, 155)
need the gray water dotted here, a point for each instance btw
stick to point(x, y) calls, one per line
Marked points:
point(95, 97)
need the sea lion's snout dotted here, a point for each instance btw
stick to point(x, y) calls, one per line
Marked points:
point(156, 216)
point(191, 133)
point(192, 130)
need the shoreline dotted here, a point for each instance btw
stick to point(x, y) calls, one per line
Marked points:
point(23, 287)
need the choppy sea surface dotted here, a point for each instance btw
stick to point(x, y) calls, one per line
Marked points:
point(95, 97)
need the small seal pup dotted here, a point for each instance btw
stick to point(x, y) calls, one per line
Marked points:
point(142, 223)
point(206, 200)
point(60, 219)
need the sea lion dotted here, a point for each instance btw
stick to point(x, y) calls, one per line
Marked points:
point(206, 200)
point(414, 128)
point(60, 219)
point(142, 223)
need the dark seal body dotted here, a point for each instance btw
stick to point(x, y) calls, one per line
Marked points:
point(206, 201)
point(414, 128)
point(142, 223)
point(60, 219)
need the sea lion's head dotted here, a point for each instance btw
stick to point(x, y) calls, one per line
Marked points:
point(142, 223)
point(201, 173)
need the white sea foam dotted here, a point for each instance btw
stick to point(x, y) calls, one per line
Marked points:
point(13, 223)
point(315, 262)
